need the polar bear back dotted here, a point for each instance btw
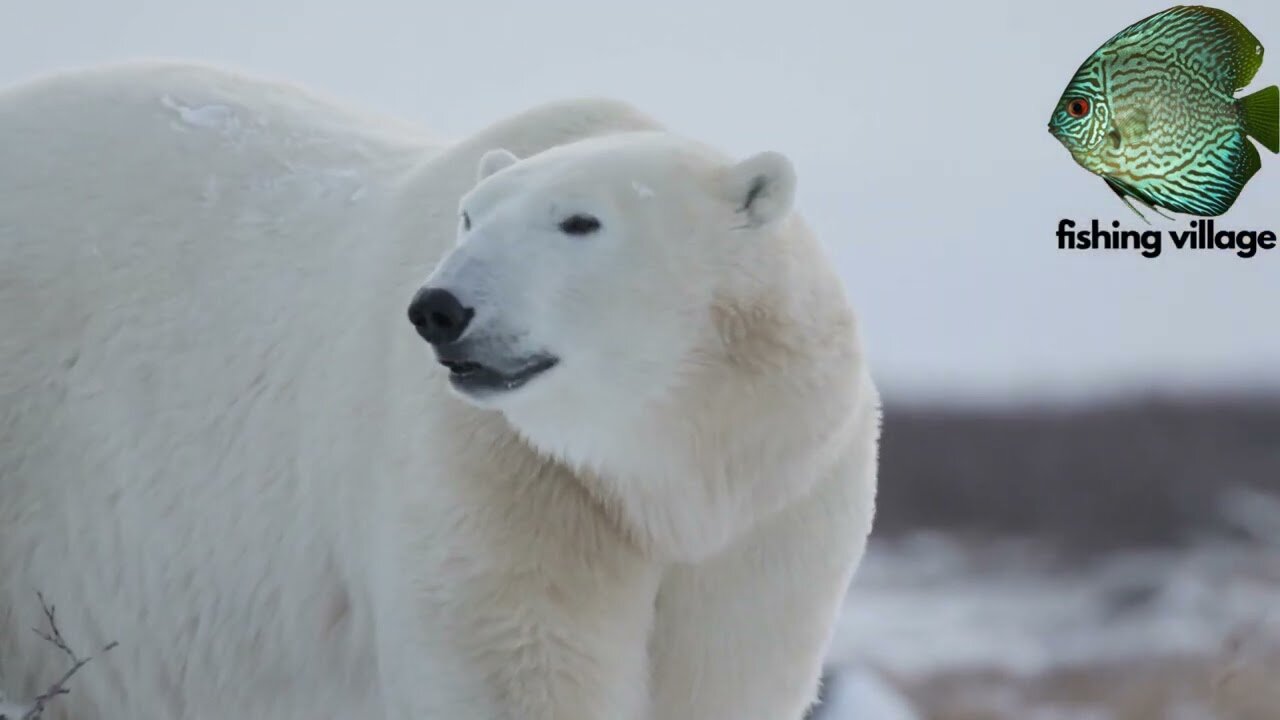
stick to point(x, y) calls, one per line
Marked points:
point(152, 187)
point(164, 229)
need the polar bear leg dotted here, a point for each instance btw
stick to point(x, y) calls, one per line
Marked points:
point(508, 595)
point(744, 635)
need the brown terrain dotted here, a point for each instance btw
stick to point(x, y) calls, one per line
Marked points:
point(1193, 483)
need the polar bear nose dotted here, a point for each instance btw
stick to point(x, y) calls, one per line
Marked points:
point(438, 315)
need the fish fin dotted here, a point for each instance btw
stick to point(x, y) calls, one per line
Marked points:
point(1261, 112)
point(1125, 192)
point(1248, 165)
point(1156, 210)
point(1244, 56)
point(1124, 195)
point(1228, 46)
point(1252, 163)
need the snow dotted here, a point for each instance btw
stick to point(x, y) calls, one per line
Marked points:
point(857, 693)
point(317, 182)
point(209, 117)
point(928, 606)
point(13, 711)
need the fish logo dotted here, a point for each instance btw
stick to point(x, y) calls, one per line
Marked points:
point(1154, 113)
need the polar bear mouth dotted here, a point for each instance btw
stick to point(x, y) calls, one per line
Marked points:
point(474, 377)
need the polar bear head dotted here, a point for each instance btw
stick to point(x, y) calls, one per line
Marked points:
point(654, 315)
point(586, 275)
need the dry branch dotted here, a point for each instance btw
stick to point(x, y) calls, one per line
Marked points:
point(34, 708)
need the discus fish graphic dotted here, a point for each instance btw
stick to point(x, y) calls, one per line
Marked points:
point(1154, 113)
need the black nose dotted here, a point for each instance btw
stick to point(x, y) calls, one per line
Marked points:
point(438, 315)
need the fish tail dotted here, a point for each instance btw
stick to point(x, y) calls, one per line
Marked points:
point(1261, 113)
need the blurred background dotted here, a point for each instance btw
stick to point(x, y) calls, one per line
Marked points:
point(1080, 496)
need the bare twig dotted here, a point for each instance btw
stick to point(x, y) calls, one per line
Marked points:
point(33, 709)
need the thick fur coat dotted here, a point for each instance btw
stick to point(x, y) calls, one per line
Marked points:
point(223, 445)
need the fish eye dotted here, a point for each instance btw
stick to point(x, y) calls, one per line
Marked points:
point(1078, 107)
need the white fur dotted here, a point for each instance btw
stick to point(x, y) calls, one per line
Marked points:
point(222, 444)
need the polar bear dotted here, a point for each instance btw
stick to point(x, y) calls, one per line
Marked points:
point(318, 416)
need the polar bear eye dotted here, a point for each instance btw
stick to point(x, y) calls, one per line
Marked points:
point(466, 221)
point(579, 225)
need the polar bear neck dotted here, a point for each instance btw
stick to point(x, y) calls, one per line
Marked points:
point(766, 407)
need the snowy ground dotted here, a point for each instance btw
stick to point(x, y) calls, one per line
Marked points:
point(937, 627)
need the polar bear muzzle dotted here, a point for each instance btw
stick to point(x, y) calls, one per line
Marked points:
point(476, 379)
point(439, 317)
point(476, 367)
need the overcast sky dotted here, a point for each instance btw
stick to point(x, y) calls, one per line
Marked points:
point(918, 131)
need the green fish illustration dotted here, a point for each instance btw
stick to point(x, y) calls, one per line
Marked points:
point(1153, 111)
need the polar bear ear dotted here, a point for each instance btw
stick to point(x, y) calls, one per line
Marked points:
point(762, 187)
point(493, 161)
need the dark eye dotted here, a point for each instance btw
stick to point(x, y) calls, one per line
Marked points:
point(466, 221)
point(1078, 107)
point(579, 225)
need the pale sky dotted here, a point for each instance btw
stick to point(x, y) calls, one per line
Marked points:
point(918, 132)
